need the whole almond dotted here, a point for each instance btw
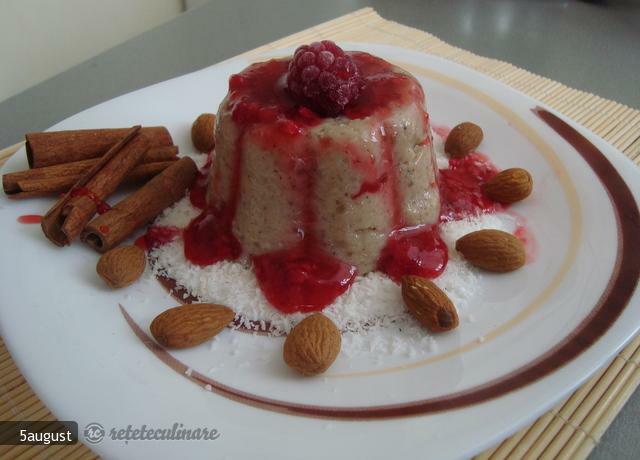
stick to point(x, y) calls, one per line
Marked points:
point(312, 345)
point(119, 267)
point(492, 250)
point(509, 186)
point(190, 325)
point(202, 132)
point(463, 139)
point(429, 304)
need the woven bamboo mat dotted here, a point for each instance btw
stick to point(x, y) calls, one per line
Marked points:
point(571, 429)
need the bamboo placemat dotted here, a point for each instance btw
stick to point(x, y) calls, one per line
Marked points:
point(571, 429)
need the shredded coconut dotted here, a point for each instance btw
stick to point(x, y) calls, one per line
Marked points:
point(372, 305)
point(370, 314)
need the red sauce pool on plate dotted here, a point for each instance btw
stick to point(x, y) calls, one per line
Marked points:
point(30, 219)
point(302, 279)
point(418, 252)
point(461, 187)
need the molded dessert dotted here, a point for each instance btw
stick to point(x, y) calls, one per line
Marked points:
point(282, 174)
point(323, 168)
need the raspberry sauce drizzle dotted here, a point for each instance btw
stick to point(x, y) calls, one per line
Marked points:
point(209, 237)
point(305, 277)
point(386, 140)
point(30, 219)
point(373, 186)
point(101, 205)
point(461, 187)
point(414, 251)
point(421, 251)
point(408, 251)
point(158, 235)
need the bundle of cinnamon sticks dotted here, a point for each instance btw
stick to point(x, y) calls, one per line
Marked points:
point(87, 166)
point(58, 159)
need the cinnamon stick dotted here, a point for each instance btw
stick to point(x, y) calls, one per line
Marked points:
point(59, 178)
point(159, 153)
point(66, 220)
point(30, 186)
point(111, 228)
point(57, 147)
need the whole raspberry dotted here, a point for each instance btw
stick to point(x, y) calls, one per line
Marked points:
point(324, 78)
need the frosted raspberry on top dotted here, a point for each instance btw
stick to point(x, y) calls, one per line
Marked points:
point(324, 78)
